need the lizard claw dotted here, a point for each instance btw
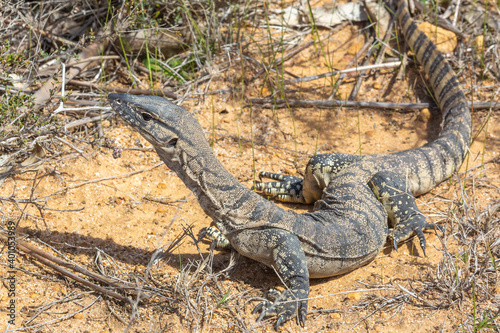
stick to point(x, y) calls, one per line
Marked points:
point(285, 306)
point(286, 188)
point(415, 223)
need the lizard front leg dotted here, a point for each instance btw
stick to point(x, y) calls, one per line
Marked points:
point(219, 241)
point(282, 251)
point(320, 170)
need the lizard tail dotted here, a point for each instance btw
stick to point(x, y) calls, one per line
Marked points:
point(437, 160)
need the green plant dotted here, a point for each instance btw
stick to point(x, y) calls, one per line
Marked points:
point(12, 119)
point(486, 320)
point(224, 298)
point(173, 67)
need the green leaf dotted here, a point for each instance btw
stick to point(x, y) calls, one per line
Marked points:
point(224, 299)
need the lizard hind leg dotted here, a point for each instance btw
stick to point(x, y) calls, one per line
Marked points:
point(404, 216)
point(320, 169)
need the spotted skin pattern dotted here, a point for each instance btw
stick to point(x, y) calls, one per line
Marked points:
point(219, 240)
point(353, 196)
point(319, 171)
point(403, 213)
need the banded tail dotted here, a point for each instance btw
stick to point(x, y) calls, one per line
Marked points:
point(437, 160)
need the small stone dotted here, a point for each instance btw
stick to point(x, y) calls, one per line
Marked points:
point(425, 115)
point(161, 210)
point(162, 186)
point(384, 315)
point(5, 298)
point(354, 296)
point(377, 86)
point(78, 315)
point(369, 134)
point(335, 315)
point(106, 123)
point(290, 172)
point(264, 91)
point(118, 201)
point(497, 290)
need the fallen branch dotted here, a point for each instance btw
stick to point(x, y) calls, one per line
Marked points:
point(75, 67)
point(156, 92)
point(42, 32)
point(87, 120)
point(359, 70)
point(70, 187)
point(67, 316)
point(56, 263)
point(399, 107)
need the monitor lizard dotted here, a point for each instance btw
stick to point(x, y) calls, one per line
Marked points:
point(356, 198)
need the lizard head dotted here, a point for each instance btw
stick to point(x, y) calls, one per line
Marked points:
point(164, 124)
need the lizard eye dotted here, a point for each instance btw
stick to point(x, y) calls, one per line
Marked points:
point(146, 116)
point(172, 143)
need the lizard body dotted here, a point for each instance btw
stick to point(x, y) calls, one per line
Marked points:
point(353, 196)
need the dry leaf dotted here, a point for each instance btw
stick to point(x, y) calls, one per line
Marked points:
point(35, 161)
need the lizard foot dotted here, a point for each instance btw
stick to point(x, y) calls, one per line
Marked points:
point(219, 241)
point(415, 223)
point(402, 211)
point(286, 188)
point(284, 305)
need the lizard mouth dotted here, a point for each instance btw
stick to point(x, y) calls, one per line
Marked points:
point(125, 110)
point(142, 121)
point(131, 116)
point(117, 104)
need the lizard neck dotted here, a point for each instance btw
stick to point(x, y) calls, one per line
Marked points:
point(220, 195)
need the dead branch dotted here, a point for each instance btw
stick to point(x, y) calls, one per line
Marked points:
point(75, 67)
point(71, 187)
point(49, 260)
point(399, 107)
point(87, 120)
point(360, 70)
point(71, 315)
point(156, 92)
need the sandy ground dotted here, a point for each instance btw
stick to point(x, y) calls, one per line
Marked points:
point(110, 226)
